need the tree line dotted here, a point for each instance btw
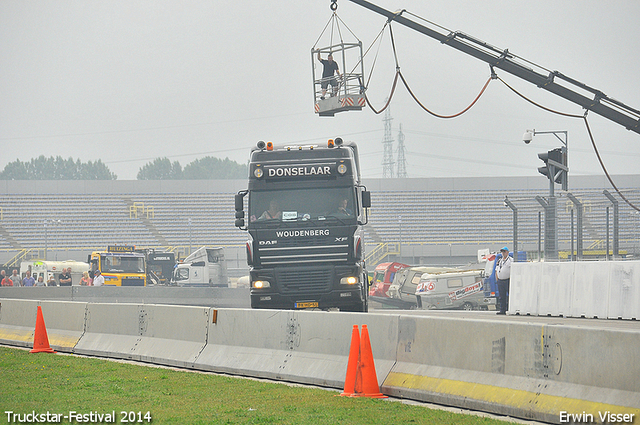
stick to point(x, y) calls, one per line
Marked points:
point(58, 168)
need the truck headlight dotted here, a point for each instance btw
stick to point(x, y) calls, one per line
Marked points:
point(259, 284)
point(342, 169)
point(258, 173)
point(349, 280)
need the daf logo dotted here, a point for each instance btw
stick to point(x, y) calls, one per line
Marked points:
point(268, 242)
point(342, 239)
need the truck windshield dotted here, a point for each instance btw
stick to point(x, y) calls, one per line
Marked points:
point(116, 264)
point(302, 204)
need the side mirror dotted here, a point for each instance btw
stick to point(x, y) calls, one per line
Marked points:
point(366, 199)
point(239, 201)
point(239, 205)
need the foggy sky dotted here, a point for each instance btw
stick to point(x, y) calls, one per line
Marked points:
point(130, 81)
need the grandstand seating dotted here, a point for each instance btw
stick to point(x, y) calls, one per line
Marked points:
point(179, 219)
point(481, 216)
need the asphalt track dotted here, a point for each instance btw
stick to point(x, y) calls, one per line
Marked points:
point(591, 323)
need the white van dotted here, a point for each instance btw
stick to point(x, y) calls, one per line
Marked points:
point(452, 290)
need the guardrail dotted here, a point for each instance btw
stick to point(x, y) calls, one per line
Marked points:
point(381, 251)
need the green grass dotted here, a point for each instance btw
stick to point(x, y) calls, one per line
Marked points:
point(60, 383)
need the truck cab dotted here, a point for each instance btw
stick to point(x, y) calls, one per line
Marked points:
point(305, 237)
point(383, 275)
point(204, 267)
point(120, 265)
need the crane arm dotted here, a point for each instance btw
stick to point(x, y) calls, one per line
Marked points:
point(600, 103)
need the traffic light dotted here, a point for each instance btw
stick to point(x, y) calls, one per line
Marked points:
point(555, 160)
point(562, 176)
point(554, 155)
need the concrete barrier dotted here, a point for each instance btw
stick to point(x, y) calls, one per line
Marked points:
point(525, 370)
point(208, 297)
point(309, 347)
point(17, 322)
point(624, 295)
point(602, 289)
point(64, 322)
point(524, 288)
point(61, 293)
point(170, 335)
point(111, 330)
point(556, 288)
point(591, 290)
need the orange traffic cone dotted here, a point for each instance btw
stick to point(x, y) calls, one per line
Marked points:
point(366, 379)
point(40, 338)
point(352, 365)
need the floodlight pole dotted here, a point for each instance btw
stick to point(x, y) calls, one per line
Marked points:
point(580, 212)
point(48, 221)
point(190, 236)
point(400, 245)
point(616, 225)
point(45, 240)
point(550, 227)
point(508, 203)
point(539, 235)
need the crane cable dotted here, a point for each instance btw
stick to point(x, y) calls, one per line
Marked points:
point(415, 98)
point(593, 142)
point(446, 116)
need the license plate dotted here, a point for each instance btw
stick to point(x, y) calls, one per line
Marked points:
point(313, 304)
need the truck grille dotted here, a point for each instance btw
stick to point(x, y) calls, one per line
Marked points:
point(297, 280)
point(304, 252)
point(136, 281)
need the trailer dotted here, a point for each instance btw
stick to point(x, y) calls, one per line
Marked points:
point(47, 269)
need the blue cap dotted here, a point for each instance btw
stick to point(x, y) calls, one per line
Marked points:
point(504, 248)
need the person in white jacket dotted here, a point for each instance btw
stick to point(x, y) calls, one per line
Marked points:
point(98, 279)
point(503, 275)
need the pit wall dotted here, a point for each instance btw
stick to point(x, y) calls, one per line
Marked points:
point(592, 289)
point(191, 296)
point(527, 370)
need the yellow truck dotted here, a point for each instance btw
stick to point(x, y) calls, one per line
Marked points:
point(120, 265)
